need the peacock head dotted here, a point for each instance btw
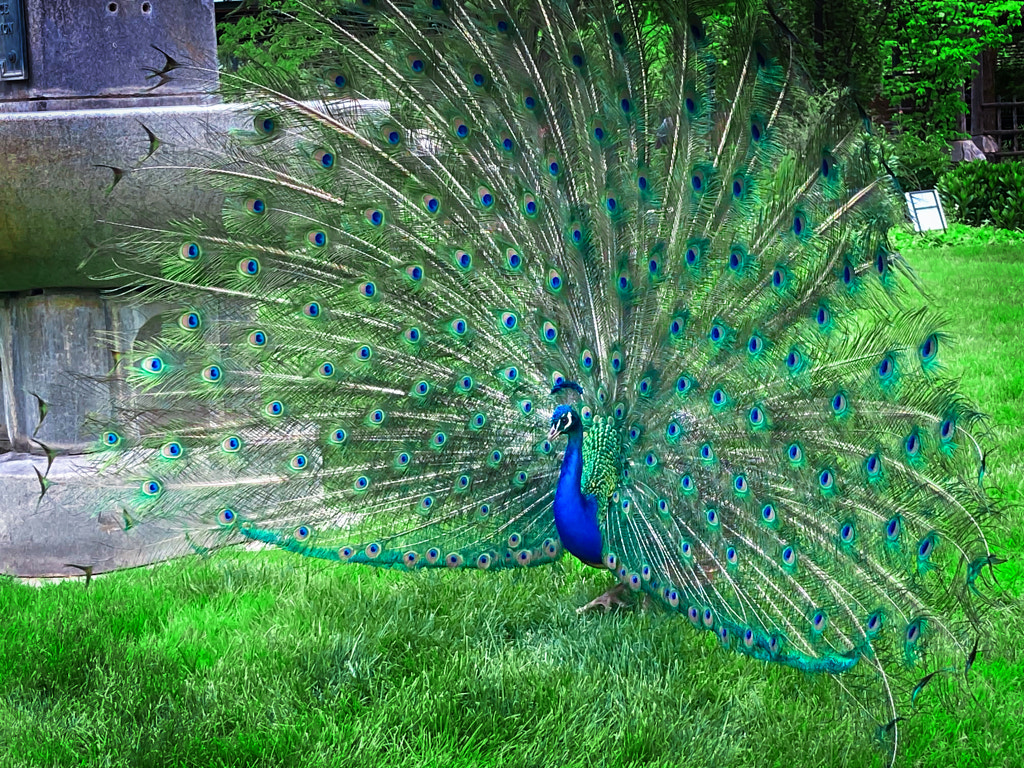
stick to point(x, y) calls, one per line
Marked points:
point(563, 421)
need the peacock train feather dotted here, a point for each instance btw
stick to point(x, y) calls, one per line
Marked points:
point(466, 229)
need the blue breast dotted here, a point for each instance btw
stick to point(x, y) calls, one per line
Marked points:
point(576, 514)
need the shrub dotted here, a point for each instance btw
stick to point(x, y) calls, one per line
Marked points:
point(919, 163)
point(977, 192)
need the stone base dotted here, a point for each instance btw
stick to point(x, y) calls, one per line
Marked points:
point(43, 537)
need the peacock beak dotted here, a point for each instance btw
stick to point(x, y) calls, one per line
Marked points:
point(553, 433)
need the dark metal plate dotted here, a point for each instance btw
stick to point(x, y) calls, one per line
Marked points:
point(13, 46)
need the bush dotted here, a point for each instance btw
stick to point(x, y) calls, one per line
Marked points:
point(919, 163)
point(904, 237)
point(977, 192)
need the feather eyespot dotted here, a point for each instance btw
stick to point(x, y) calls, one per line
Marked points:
point(800, 224)
point(337, 79)
point(840, 404)
point(190, 251)
point(873, 465)
point(529, 203)
point(757, 130)
point(929, 349)
point(875, 622)
point(153, 364)
point(946, 430)
point(818, 621)
point(417, 64)
point(847, 533)
point(323, 158)
point(789, 556)
point(171, 450)
point(460, 128)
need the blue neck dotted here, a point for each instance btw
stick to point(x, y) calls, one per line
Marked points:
point(576, 514)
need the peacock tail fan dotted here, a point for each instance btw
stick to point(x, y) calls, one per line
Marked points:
point(453, 208)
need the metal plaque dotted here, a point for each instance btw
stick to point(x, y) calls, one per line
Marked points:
point(13, 48)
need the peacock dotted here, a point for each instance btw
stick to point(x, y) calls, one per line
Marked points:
point(497, 280)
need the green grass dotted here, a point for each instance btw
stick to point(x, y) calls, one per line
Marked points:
point(264, 659)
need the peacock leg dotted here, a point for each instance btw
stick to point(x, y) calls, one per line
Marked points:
point(610, 599)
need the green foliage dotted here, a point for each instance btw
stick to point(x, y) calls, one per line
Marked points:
point(920, 163)
point(934, 45)
point(913, 54)
point(955, 235)
point(262, 41)
point(979, 192)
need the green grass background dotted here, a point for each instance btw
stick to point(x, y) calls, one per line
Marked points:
point(266, 659)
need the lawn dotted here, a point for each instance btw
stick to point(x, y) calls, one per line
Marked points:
point(266, 659)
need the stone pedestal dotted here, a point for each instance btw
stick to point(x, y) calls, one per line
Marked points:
point(103, 78)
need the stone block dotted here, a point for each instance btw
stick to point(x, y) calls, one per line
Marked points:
point(45, 537)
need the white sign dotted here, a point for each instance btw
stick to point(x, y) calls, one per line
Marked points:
point(926, 210)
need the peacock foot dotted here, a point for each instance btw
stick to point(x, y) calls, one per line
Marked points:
point(610, 599)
